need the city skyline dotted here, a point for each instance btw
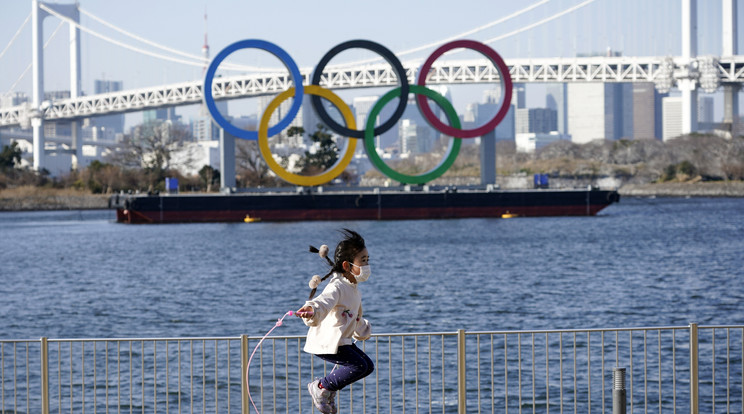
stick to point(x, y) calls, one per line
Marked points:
point(185, 31)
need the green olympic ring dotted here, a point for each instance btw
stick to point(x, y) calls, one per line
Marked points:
point(369, 138)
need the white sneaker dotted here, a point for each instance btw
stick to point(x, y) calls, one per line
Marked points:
point(332, 401)
point(321, 398)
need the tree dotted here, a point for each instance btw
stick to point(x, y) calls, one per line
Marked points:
point(101, 178)
point(209, 176)
point(295, 130)
point(325, 156)
point(251, 169)
point(10, 156)
point(152, 147)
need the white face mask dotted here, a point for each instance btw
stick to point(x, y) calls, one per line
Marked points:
point(364, 272)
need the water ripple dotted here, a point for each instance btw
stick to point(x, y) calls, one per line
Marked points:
point(639, 263)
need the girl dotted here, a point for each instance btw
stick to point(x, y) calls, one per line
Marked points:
point(335, 317)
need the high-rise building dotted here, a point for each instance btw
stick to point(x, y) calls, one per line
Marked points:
point(556, 99)
point(407, 136)
point(705, 109)
point(204, 129)
point(468, 118)
point(55, 95)
point(505, 130)
point(108, 126)
point(658, 114)
point(281, 112)
point(13, 99)
point(308, 119)
point(361, 106)
point(391, 138)
point(160, 114)
point(594, 111)
point(478, 114)
point(414, 138)
point(672, 110)
point(519, 95)
point(640, 111)
point(644, 111)
point(614, 111)
point(537, 120)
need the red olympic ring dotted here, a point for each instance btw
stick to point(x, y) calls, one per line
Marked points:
point(506, 88)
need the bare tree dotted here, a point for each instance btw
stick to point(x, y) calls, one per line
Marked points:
point(252, 169)
point(152, 147)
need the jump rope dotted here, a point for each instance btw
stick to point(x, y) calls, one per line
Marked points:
point(278, 323)
point(314, 282)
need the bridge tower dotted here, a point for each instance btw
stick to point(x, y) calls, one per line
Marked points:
point(38, 105)
point(687, 82)
point(694, 72)
point(730, 46)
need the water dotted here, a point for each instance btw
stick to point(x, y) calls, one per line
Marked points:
point(642, 262)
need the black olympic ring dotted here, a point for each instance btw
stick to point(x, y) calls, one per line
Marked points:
point(390, 58)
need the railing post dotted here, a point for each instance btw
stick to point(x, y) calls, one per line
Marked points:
point(461, 384)
point(44, 376)
point(244, 370)
point(619, 401)
point(693, 368)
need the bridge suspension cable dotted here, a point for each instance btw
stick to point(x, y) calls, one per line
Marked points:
point(541, 22)
point(15, 35)
point(197, 58)
point(199, 63)
point(455, 37)
point(139, 38)
point(25, 71)
point(475, 30)
point(480, 28)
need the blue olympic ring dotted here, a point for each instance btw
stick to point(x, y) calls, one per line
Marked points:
point(276, 51)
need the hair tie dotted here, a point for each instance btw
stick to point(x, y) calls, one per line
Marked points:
point(314, 282)
point(323, 251)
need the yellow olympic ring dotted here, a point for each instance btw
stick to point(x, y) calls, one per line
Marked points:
point(307, 180)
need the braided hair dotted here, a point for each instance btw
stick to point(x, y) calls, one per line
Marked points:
point(351, 244)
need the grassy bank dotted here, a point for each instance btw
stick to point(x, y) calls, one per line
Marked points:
point(41, 198)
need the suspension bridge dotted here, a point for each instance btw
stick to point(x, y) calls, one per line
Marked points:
point(687, 72)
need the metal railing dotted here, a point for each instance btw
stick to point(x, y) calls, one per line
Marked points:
point(669, 369)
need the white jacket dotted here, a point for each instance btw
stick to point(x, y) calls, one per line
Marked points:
point(337, 317)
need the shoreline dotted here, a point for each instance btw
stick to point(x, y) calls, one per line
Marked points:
point(45, 199)
point(696, 189)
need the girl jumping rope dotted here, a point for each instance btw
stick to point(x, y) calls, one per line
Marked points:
point(335, 319)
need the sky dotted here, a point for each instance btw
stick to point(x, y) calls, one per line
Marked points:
point(308, 29)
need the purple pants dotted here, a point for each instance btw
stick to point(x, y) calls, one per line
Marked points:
point(352, 364)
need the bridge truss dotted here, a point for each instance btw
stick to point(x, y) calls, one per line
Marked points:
point(708, 72)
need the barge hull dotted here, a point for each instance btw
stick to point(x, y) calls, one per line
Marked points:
point(396, 205)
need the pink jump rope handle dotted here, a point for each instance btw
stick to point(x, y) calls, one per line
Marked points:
point(305, 314)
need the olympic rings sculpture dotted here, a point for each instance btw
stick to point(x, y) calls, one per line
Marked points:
point(317, 92)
